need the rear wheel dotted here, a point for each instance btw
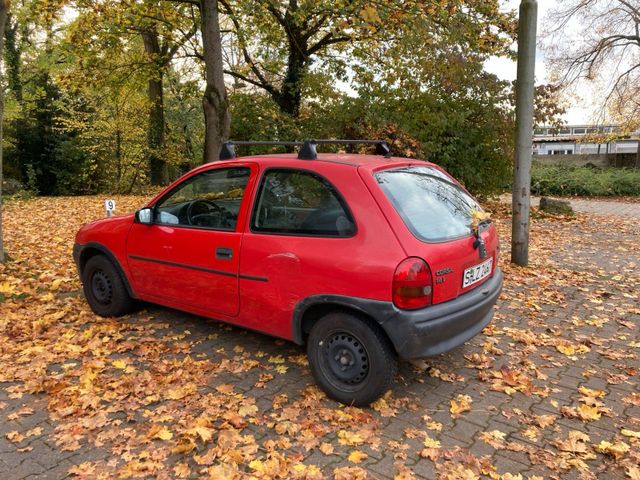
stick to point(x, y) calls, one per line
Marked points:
point(351, 358)
point(104, 289)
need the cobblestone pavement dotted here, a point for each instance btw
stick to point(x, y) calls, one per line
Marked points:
point(598, 207)
point(507, 403)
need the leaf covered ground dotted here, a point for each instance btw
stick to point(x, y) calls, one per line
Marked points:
point(548, 390)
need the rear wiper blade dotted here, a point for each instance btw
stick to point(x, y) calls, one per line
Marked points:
point(484, 223)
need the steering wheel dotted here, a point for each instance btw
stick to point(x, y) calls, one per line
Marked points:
point(208, 204)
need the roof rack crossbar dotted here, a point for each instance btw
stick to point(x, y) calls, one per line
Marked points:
point(308, 150)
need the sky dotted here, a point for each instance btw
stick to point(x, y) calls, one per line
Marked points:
point(579, 111)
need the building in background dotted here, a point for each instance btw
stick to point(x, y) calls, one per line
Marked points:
point(583, 140)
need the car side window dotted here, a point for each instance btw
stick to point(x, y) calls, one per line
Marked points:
point(299, 202)
point(209, 200)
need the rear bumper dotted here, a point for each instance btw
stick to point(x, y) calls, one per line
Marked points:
point(439, 328)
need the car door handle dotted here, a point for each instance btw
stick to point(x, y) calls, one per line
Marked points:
point(224, 253)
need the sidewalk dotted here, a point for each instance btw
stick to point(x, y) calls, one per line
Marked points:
point(598, 207)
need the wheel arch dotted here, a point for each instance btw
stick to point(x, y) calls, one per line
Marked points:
point(83, 253)
point(311, 309)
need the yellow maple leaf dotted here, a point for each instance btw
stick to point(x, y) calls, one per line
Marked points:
point(462, 403)
point(119, 364)
point(495, 438)
point(349, 473)
point(182, 470)
point(588, 413)
point(223, 472)
point(7, 288)
point(163, 434)
point(566, 349)
point(14, 436)
point(179, 392)
point(326, 448)
point(349, 438)
point(633, 472)
point(245, 410)
point(588, 392)
point(615, 450)
point(431, 443)
point(205, 433)
point(478, 216)
point(256, 466)
point(357, 456)
point(630, 433)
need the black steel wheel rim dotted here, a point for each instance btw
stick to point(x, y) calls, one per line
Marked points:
point(101, 287)
point(344, 360)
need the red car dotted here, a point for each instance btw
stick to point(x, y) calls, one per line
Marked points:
point(363, 258)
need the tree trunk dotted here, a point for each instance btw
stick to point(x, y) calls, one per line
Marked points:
point(289, 98)
point(13, 56)
point(3, 22)
point(158, 169)
point(214, 102)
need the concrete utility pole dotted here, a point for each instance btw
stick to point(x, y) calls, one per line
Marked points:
point(527, 26)
point(4, 8)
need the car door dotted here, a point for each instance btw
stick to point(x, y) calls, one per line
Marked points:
point(189, 256)
point(302, 241)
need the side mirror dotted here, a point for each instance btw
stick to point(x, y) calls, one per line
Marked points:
point(145, 216)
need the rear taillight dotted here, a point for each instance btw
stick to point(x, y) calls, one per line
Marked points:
point(412, 284)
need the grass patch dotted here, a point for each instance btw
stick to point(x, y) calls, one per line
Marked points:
point(584, 181)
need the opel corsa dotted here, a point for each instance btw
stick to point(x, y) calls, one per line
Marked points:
point(366, 259)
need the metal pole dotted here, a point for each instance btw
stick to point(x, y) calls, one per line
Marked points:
point(527, 26)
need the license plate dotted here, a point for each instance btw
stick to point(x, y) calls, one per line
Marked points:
point(475, 274)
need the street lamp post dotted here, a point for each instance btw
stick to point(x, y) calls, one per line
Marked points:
point(527, 25)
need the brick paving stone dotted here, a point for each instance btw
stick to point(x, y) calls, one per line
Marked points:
point(59, 472)
point(384, 468)
point(511, 462)
point(424, 468)
point(26, 468)
point(465, 431)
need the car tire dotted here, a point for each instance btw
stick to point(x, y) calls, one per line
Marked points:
point(351, 358)
point(104, 288)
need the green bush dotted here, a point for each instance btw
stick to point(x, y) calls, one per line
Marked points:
point(584, 181)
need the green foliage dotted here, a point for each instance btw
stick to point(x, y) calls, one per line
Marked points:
point(584, 181)
point(470, 137)
point(411, 73)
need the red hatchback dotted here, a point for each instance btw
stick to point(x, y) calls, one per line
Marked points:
point(365, 258)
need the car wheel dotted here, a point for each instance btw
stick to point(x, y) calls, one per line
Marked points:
point(351, 358)
point(104, 289)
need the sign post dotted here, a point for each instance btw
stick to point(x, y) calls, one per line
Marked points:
point(110, 207)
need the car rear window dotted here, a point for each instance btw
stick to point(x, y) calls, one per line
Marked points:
point(433, 207)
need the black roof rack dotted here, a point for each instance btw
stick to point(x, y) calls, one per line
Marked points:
point(308, 150)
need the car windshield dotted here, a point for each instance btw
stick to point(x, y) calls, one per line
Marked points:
point(433, 207)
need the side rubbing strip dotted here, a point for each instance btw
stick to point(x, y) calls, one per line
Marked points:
point(182, 265)
point(257, 279)
point(199, 269)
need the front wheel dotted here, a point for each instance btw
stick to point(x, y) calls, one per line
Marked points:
point(351, 358)
point(104, 289)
